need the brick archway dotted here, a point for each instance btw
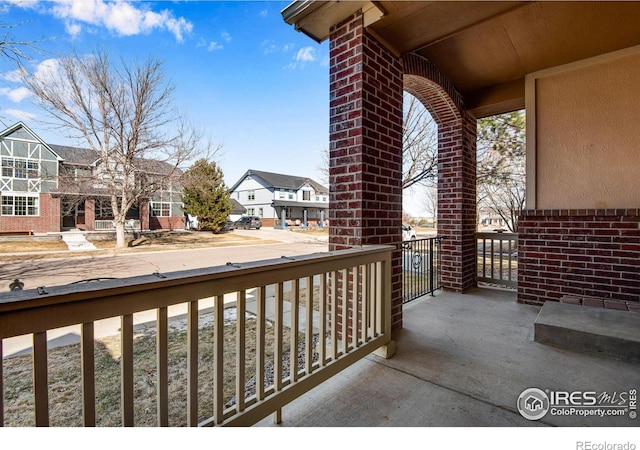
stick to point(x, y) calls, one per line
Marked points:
point(456, 169)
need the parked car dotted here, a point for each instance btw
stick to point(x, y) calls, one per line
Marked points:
point(230, 225)
point(248, 222)
point(408, 233)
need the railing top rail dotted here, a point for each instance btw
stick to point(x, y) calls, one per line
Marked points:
point(191, 283)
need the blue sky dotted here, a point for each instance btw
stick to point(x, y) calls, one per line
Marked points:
point(247, 79)
point(244, 76)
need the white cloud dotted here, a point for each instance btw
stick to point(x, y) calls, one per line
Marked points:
point(269, 46)
point(213, 45)
point(122, 17)
point(19, 114)
point(15, 76)
point(264, 13)
point(306, 54)
point(16, 95)
point(225, 36)
point(73, 29)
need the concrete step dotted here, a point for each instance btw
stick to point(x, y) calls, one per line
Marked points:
point(77, 242)
point(601, 331)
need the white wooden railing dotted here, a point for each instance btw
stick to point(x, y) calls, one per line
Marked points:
point(498, 259)
point(290, 334)
point(110, 225)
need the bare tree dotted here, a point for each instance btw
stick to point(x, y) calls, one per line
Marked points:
point(125, 114)
point(501, 174)
point(419, 144)
point(10, 48)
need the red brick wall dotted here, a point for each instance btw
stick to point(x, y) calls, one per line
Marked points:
point(365, 198)
point(47, 221)
point(588, 253)
point(166, 223)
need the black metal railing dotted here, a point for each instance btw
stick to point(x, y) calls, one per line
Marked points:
point(420, 268)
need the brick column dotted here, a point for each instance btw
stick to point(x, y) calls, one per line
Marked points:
point(457, 202)
point(144, 214)
point(365, 175)
point(90, 214)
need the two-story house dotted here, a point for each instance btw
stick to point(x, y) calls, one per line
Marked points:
point(282, 200)
point(51, 188)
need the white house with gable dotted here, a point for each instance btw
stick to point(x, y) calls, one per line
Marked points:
point(282, 199)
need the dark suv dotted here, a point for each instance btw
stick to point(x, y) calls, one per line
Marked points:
point(247, 222)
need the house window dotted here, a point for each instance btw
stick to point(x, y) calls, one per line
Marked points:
point(317, 198)
point(160, 209)
point(251, 195)
point(20, 168)
point(281, 193)
point(290, 194)
point(260, 212)
point(306, 195)
point(103, 209)
point(251, 211)
point(14, 205)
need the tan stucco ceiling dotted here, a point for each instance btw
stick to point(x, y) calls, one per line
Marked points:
point(487, 48)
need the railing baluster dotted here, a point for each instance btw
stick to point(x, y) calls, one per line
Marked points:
point(277, 357)
point(355, 301)
point(126, 363)
point(162, 350)
point(192, 363)
point(241, 313)
point(322, 330)
point(510, 249)
point(345, 311)
point(309, 326)
point(218, 358)
point(1, 386)
point(366, 291)
point(260, 342)
point(295, 311)
point(40, 378)
point(87, 351)
point(334, 316)
point(379, 297)
point(373, 302)
point(500, 253)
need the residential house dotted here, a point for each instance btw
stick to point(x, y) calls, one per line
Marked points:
point(51, 188)
point(282, 200)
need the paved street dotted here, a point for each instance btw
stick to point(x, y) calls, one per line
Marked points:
point(60, 271)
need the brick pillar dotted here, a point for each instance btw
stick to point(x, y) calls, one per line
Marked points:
point(365, 174)
point(90, 214)
point(144, 214)
point(457, 202)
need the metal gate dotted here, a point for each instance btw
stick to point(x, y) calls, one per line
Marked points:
point(420, 268)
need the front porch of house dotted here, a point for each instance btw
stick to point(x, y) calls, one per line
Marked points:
point(461, 360)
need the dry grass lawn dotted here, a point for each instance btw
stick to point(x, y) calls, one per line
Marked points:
point(65, 390)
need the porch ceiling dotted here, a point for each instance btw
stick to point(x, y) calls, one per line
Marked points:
point(487, 48)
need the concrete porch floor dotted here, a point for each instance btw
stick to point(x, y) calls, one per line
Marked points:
point(461, 360)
